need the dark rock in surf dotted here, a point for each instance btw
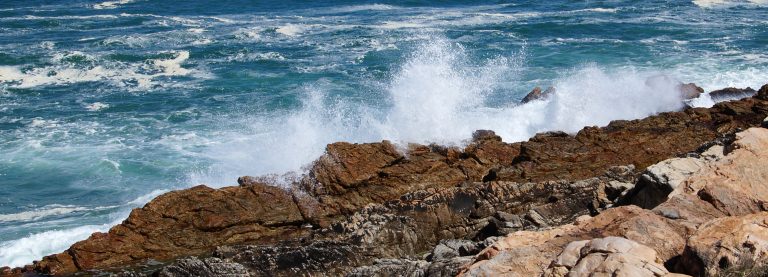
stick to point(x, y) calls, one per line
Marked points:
point(537, 94)
point(731, 94)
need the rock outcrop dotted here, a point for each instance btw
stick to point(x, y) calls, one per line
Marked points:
point(429, 209)
point(731, 94)
point(610, 256)
point(537, 94)
point(712, 219)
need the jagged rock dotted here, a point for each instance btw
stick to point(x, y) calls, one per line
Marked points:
point(447, 268)
point(691, 219)
point(762, 93)
point(659, 180)
point(690, 90)
point(731, 94)
point(527, 253)
point(537, 94)
point(416, 197)
point(392, 267)
point(186, 222)
point(194, 266)
point(452, 248)
point(726, 243)
point(609, 256)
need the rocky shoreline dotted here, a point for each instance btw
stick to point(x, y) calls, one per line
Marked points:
point(683, 192)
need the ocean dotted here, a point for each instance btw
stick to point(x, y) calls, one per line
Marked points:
point(104, 105)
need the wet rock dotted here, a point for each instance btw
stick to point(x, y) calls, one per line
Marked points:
point(452, 248)
point(406, 201)
point(731, 94)
point(609, 256)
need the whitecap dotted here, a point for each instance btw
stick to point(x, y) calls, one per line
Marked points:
point(290, 29)
point(111, 4)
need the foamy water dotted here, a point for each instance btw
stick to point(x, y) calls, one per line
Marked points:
point(104, 106)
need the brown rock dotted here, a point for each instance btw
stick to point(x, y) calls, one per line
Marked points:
point(690, 90)
point(731, 94)
point(529, 253)
point(185, 222)
point(537, 94)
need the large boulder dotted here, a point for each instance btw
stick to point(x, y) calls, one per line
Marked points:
point(609, 256)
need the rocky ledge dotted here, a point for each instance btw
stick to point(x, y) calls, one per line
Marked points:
point(683, 192)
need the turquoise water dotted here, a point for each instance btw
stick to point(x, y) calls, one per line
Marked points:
point(104, 105)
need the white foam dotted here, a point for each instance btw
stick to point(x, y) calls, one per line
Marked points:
point(367, 7)
point(111, 4)
point(436, 96)
point(50, 210)
point(291, 29)
point(400, 25)
point(728, 3)
point(122, 74)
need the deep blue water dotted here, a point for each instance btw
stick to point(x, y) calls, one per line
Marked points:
point(105, 104)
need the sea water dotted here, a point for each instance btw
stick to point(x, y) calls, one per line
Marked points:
point(104, 105)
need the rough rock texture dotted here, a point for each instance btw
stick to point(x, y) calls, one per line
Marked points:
point(537, 94)
point(407, 201)
point(610, 256)
point(713, 218)
point(727, 242)
point(690, 90)
point(194, 266)
point(731, 94)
